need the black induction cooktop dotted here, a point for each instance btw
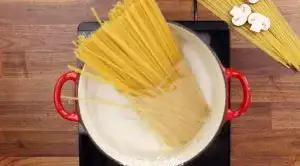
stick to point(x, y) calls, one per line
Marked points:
point(215, 34)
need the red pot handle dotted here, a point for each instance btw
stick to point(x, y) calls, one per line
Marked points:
point(232, 73)
point(69, 76)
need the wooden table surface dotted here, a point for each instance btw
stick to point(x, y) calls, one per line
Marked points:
point(35, 48)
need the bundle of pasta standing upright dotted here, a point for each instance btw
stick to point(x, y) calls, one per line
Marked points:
point(136, 52)
point(150, 92)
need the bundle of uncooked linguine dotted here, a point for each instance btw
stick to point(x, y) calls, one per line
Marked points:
point(136, 52)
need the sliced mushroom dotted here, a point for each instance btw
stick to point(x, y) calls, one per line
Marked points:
point(259, 22)
point(240, 14)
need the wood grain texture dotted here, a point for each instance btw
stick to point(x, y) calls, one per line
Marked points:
point(38, 161)
point(35, 47)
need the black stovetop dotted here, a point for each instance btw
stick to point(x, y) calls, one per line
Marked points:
point(218, 153)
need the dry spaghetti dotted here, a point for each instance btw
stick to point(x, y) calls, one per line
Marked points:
point(136, 52)
point(280, 42)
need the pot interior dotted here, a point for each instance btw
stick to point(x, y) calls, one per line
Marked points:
point(123, 136)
